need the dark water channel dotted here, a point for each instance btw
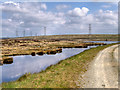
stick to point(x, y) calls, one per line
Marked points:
point(33, 64)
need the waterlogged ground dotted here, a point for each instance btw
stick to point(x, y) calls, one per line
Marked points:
point(32, 64)
point(62, 75)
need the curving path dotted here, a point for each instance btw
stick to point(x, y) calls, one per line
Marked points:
point(103, 70)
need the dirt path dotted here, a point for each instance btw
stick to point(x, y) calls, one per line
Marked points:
point(103, 70)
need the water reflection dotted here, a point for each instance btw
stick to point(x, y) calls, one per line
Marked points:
point(6, 62)
point(28, 63)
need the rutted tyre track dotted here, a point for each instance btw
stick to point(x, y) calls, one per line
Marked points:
point(103, 71)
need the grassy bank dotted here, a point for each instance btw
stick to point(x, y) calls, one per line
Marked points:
point(63, 75)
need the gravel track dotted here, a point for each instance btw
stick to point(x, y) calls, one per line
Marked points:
point(103, 70)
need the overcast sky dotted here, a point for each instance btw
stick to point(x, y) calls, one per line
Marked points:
point(58, 18)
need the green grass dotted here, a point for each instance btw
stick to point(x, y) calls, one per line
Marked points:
point(62, 75)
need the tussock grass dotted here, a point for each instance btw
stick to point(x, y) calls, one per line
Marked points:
point(62, 75)
point(27, 45)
